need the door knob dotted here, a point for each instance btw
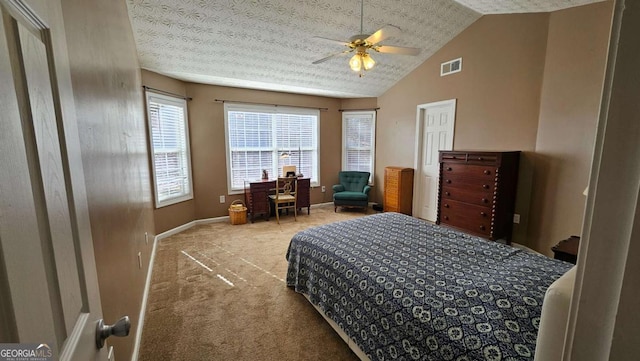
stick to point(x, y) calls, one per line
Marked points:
point(119, 329)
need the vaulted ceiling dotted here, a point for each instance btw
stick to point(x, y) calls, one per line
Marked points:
point(271, 44)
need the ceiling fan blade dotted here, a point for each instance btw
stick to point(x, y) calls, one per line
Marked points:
point(331, 56)
point(385, 32)
point(341, 42)
point(396, 50)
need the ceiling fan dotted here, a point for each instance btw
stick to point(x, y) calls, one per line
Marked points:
point(362, 43)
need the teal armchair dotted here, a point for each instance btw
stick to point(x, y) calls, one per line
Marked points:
point(353, 190)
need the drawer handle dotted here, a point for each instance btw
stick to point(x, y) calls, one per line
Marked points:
point(446, 205)
point(485, 186)
point(447, 193)
point(482, 228)
point(448, 181)
point(487, 172)
point(484, 200)
point(449, 168)
point(480, 158)
point(446, 218)
point(483, 214)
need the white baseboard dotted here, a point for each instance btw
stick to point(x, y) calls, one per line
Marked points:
point(176, 230)
point(212, 220)
point(156, 239)
point(320, 205)
point(145, 296)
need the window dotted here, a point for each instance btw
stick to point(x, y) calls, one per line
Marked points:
point(358, 141)
point(169, 134)
point(269, 137)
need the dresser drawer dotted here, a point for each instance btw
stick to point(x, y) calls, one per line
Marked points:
point(470, 157)
point(474, 218)
point(482, 158)
point(475, 172)
point(475, 187)
point(472, 194)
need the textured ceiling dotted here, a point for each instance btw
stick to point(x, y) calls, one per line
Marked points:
point(270, 44)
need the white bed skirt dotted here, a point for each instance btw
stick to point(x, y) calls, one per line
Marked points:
point(352, 345)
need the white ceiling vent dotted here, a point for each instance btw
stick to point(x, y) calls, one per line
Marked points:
point(450, 67)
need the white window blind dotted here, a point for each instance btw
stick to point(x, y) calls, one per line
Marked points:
point(358, 141)
point(169, 138)
point(268, 137)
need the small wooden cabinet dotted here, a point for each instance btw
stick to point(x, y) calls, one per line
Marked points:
point(398, 190)
point(304, 194)
point(567, 250)
point(477, 192)
point(256, 197)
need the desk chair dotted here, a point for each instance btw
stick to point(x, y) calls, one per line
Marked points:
point(286, 196)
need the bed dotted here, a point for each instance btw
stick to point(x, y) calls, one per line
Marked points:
point(403, 288)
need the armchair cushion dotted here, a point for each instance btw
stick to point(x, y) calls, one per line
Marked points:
point(351, 196)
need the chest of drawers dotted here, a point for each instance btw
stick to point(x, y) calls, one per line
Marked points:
point(398, 190)
point(477, 192)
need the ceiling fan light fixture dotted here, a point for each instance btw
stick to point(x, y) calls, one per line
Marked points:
point(356, 62)
point(367, 61)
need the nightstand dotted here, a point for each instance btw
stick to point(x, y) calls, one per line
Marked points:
point(567, 250)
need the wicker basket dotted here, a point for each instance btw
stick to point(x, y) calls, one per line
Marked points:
point(237, 212)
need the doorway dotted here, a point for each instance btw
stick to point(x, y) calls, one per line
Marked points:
point(435, 125)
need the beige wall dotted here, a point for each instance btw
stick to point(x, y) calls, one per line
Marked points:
point(109, 108)
point(497, 92)
point(359, 103)
point(569, 106)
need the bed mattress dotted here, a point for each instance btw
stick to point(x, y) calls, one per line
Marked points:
point(405, 289)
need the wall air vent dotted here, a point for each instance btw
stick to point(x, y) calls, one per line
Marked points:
point(450, 67)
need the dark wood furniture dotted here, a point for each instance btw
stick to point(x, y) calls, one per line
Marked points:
point(398, 190)
point(567, 250)
point(477, 192)
point(256, 197)
point(304, 194)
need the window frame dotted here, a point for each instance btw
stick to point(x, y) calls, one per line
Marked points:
point(275, 149)
point(159, 98)
point(351, 114)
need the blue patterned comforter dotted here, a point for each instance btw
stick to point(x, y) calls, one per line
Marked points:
point(405, 289)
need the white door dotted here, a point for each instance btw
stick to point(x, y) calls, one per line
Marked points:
point(48, 278)
point(434, 131)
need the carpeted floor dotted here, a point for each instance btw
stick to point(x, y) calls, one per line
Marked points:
point(218, 293)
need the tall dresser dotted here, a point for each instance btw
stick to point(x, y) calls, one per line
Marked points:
point(398, 190)
point(477, 192)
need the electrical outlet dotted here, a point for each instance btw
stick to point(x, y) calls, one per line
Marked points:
point(110, 355)
point(222, 199)
point(324, 189)
point(516, 218)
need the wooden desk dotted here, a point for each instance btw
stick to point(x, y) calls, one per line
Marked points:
point(256, 197)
